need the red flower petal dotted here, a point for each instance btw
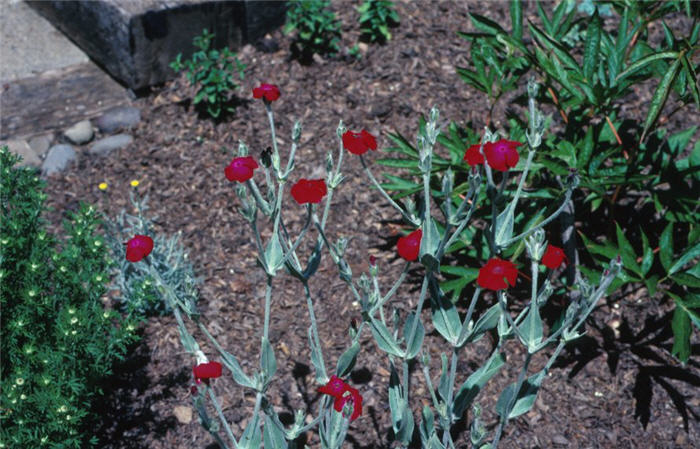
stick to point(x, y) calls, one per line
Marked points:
point(269, 92)
point(553, 257)
point(409, 246)
point(138, 247)
point(335, 387)
point(473, 156)
point(497, 274)
point(309, 190)
point(502, 155)
point(359, 143)
point(240, 169)
point(207, 370)
point(354, 397)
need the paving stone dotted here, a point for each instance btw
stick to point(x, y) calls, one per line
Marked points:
point(22, 148)
point(136, 40)
point(80, 133)
point(58, 158)
point(118, 118)
point(41, 144)
point(106, 145)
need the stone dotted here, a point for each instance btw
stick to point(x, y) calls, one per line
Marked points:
point(136, 40)
point(80, 133)
point(57, 159)
point(41, 144)
point(106, 145)
point(118, 118)
point(183, 414)
point(22, 148)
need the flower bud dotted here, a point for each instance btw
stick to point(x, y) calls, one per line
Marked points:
point(242, 149)
point(341, 129)
point(296, 132)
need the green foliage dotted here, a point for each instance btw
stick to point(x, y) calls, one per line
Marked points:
point(137, 288)
point(56, 338)
point(318, 30)
point(212, 72)
point(376, 16)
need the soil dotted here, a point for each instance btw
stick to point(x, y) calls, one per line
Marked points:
point(617, 387)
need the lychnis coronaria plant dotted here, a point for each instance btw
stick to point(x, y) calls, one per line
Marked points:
point(262, 191)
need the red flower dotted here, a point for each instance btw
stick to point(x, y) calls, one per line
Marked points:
point(207, 370)
point(240, 169)
point(497, 274)
point(269, 92)
point(473, 156)
point(335, 387)
point(138, 247)
point(409, 246)
point(342, 393)
point(553, 257)
point(309, 190)
point(502, 155)
point(354, 397)
point(359, 143)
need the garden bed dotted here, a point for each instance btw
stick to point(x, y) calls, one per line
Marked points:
point(615, 387)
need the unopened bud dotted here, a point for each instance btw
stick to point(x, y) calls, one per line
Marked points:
point(242, 149)
point(341, 129)
point(296, 132)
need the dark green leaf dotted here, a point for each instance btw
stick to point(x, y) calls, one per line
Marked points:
point(659, 99)
point(591, 57)
point(666, 247)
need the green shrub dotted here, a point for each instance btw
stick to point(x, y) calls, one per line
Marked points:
point(212, 72)
point(56, 338)
point(376, 16)
point(318, 30)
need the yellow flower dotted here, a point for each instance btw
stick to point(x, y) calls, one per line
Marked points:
point(134, 183)
point(102, 186)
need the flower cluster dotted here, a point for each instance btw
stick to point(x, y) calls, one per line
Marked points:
point(343, 393)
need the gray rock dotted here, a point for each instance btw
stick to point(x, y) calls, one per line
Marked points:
point(106, 145)
point(80, 133)
point(118, 118)
point(58, 158)
point(136, 40)
point(41, 144)
point(22, 148)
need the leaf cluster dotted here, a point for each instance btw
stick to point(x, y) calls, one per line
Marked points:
point(212, 72)
point(57, 339)
point(376, 16)
point(317, 28)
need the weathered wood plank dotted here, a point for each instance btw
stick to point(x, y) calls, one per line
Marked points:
point(57, 99)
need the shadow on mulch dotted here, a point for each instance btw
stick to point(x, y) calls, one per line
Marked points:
point(125, 409)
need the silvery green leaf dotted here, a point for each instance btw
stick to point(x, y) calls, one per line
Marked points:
point(443, 386)
point(413, 346)
point(268, 364)
point(504, 330)
point(429, 245)
point(273, 255)
point(427, 425)
point(384, 339)
point(230, 362)
point(476, 381)
point(445, 317)
point(531, 329)
point(487, 321)
point(396, 400)
point(317, 359)
point(346, 361)
point(314, 261)
point(273, 435)
point(525, 398)
point(404, 433)
point(504, 224)
point(251, 437)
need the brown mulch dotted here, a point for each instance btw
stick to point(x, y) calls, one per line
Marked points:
point(617, 387)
